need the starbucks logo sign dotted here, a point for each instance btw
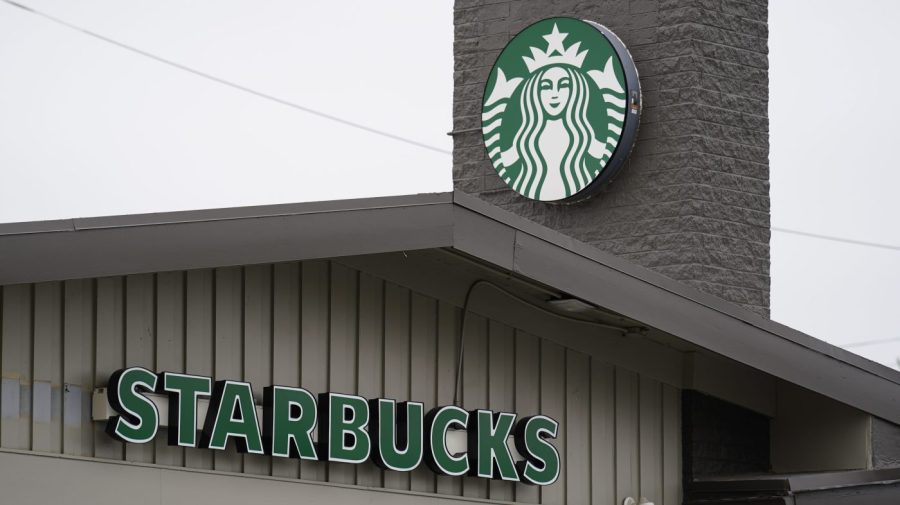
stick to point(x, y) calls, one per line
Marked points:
point(561, 110)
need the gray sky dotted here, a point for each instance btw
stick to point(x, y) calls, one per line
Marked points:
point(90, 129)
point(832, 108)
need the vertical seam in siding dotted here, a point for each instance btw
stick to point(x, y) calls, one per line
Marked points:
point(358, 303)
point(590, 425)
point(184, 324)
point(329, 273)
point(62, 366)
point(2, 337)
point(299, 322)
point(357, 296)
point(662, 441)
point(93, 356)
point(94, 317)
point(242, 328)
point(436, 329)
point(409, 347)
point(30, 379)
point(184, 341)
point(154, 328)
point(300, 338)
point(515, 379)
point(487, 378)
point(123, 331)
point(615, 422)
point(328, 278)
point(381, 474)
point(383, 332)
point(540, 402)
point(242, 325)
point(271, 356)
point(216, 329)
point(639, 438)
point(565, 409)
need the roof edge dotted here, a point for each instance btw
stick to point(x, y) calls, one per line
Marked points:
point(679, 289)
point(223, 213)
point(118, 245)
point(141, 243)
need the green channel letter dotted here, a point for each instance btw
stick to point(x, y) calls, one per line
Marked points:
point(138, 419)
point(183, 391)
point(342, 428)
point(397, 444)
point(440, 420)
point(232, 414)
point(289, 418)
point(541, 464)
point(489, 456)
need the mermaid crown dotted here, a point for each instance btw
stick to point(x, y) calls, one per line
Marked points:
point(556, 53)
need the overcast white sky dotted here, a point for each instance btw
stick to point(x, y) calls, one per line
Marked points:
point(87, 128)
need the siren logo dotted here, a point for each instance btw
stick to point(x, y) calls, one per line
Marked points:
point(561, 109)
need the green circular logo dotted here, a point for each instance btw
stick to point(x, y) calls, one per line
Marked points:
point(561, 109)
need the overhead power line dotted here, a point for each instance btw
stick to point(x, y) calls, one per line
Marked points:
point(230, 84)
point(838, 239)
point(871, 342)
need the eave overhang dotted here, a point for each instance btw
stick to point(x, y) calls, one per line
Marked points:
point(119, 245)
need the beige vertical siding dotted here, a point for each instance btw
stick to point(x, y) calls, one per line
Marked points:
point(199, 347)
point(170, 346)
point(327, 327)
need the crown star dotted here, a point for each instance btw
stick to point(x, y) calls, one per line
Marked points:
point(555, 41)
point(556, 52)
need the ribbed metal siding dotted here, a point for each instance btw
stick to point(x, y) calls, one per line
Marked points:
point(325, 326)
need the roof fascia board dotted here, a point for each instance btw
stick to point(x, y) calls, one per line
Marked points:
point(116, 246)
point(484, 239)
point(250, 212)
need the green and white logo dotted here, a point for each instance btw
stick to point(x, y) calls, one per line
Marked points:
point(561, 109)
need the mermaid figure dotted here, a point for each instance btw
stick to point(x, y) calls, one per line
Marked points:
point(555, 151)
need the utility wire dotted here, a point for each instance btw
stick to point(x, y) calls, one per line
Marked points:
point(838, 239)
point(224, 82)
point(871, 342)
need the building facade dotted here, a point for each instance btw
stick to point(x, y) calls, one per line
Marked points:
point(635, 321)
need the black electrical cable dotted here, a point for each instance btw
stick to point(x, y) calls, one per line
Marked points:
point(869, 342)
point(837, 239)
point(465, 311)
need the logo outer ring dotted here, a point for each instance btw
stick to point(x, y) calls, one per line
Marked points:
point(629, 128)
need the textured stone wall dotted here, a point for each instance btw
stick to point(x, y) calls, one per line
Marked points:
point(885, 444)
point(693, 202)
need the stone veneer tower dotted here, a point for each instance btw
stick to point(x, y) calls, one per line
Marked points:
point(693, 201)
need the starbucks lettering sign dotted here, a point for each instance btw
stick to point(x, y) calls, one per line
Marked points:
point(561, 110)
point(293, 423)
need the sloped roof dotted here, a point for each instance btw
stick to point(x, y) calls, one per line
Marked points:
point(92, 247)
